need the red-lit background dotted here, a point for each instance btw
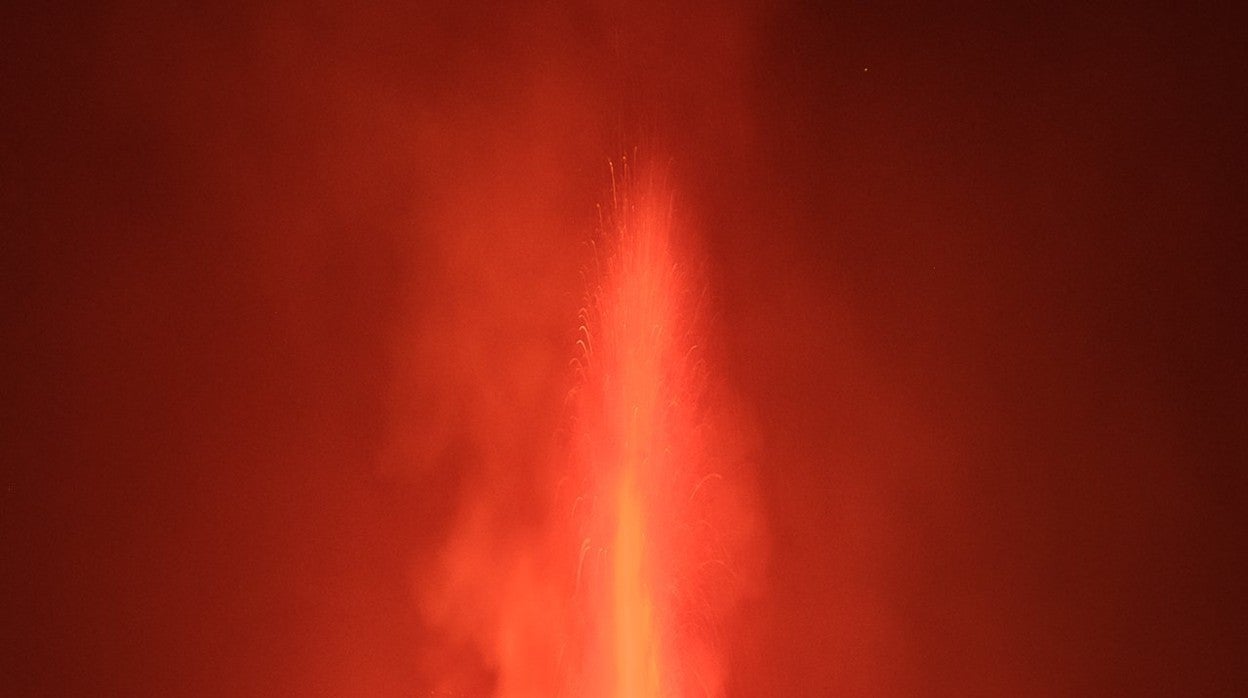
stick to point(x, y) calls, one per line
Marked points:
point(286, 287)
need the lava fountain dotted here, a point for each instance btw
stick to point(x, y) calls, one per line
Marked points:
point(623, 584)
point(655, 571)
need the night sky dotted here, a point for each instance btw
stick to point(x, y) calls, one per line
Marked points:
point(287, 289)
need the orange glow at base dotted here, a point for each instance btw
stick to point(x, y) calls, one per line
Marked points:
point(636, 647)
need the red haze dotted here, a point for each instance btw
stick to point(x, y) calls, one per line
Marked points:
point(291, 294)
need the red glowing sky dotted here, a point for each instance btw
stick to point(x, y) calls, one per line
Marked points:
point(288, 289)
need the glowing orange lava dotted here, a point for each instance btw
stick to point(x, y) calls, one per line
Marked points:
point(643, 535)
point(635, 361)
point(641, 429)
